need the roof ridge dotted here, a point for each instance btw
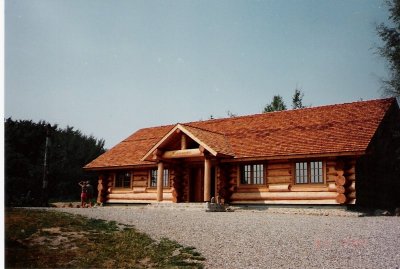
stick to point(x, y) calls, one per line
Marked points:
point(202, 129)
point(262, 114)
point(291, 110)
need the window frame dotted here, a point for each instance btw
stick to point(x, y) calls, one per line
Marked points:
point(254, 175)
point(309, 173)
point(166, 178)
point(125, 174)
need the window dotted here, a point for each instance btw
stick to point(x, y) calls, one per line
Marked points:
point(123, 180)
point(309, 172)
point(252, 174)
point(153, 178)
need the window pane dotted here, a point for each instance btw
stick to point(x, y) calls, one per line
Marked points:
point(258, 174)
point(153, 178)
point(246, 174)
point(316, 172)
point(166, 178)
point(123, 180)
point(301, 173)
point(127, 180)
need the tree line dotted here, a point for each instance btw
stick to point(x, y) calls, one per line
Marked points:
point(29, 179)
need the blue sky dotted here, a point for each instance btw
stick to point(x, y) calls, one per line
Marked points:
point(110, 68)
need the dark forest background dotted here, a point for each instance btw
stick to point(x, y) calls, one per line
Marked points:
point(67, 152)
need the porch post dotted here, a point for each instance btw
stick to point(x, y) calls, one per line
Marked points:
point(207, 180)
point(160, 174)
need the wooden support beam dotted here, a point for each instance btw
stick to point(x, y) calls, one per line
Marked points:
point(160, 173)
point(207, 180)
point(183, 142)
point(186, 153)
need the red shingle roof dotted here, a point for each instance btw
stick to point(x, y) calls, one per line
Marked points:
point(329, 129)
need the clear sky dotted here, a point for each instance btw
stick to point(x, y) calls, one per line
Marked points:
point(111, 67)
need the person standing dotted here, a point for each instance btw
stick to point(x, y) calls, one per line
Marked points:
point(83, 193)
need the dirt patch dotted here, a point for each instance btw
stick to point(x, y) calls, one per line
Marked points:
point(54, 238)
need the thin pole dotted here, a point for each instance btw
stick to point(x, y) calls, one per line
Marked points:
point(45, 172)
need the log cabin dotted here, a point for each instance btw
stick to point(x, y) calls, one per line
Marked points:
point(336, 154)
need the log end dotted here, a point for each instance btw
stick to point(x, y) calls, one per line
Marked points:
point(341, 198)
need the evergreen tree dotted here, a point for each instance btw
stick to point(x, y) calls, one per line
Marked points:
point(297, 100)
point(277, 104)
point(68, 151)
point(390, 35)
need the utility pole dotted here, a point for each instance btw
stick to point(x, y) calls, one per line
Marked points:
point(45, 201)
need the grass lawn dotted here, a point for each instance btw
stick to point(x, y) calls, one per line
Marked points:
point(47, 239)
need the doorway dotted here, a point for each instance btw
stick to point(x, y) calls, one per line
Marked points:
point(196, 184)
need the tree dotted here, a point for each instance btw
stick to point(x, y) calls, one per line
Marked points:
point(390, 35)
point(231, 114)
point(297, 100)
point(277, 104)
point(68, 151)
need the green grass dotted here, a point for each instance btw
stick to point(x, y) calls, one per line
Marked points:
point(47, 239)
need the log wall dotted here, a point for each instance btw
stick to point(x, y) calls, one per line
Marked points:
point(339, 185)
point(139, 192)
point(279, 188)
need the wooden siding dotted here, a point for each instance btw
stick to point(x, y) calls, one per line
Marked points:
point(279, 185)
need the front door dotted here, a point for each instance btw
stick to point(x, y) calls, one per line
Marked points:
point(196, 184)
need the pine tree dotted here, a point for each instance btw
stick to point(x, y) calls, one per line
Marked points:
point(277, 104)
point(390, 35)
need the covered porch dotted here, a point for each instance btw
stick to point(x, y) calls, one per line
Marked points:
point(194, 155)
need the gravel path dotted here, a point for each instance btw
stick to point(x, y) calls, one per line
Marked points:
point(261, 239)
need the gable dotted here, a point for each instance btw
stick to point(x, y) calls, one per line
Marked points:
point(215, 143)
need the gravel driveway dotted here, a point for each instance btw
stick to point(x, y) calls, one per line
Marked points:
point(260, 239)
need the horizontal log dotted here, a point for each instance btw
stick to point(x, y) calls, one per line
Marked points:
point(141, 183)
point(274, 166)
point(282, 196)
point(279, 179)
point(140, 178)
point(186, 153)
point(298, 202)
point(139, 189)
point(341, 198)
point(308, 188)
point(351, 195)
point(125, 201)
point(351, 202)
point(340, 172)
point(140, 173)
point(352, 187)
point(331, 178)
point(340, 189)
point(279, 172)
point(154, 190)
point(330, 170)
point(351, 177)
point(340, 180)
point(251, 188)
point(332, 187)
point(138, 196)
point(279, 187)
